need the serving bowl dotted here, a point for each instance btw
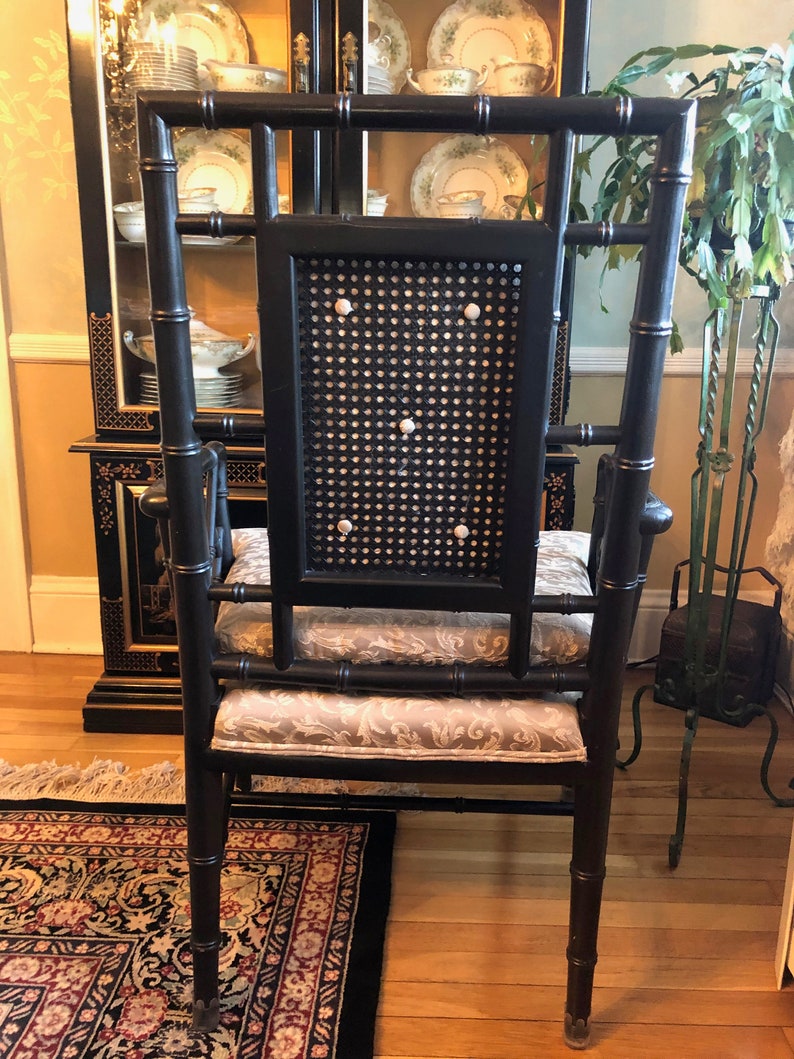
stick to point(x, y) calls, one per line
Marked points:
point(461, 204)
point(211, 350)
point(521, 79)
point(448, 80)
point(246, 77)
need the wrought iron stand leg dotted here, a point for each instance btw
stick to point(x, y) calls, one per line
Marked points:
point(785, 803)
point(635, 717)
point(677, 840)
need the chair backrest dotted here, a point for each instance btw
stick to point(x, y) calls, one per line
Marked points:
point(407, 363)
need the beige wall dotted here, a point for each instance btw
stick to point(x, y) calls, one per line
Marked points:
point(44, 278)
point(55, 410)
point(597, 399)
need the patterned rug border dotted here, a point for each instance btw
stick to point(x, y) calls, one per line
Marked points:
point(362, 990)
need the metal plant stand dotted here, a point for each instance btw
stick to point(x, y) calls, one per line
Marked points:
point(700, 681)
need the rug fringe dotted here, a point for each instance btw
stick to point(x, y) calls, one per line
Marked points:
point(164, 783)
point(102, 781)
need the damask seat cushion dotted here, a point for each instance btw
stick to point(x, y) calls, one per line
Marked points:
point(428, 637)
point(293, 721)
point(431, 728)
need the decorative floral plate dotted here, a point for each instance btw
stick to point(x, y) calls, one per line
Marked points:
point(474, 32)
point(399, 50)
point(467, 163)
point(211, 27)
point(220, 160)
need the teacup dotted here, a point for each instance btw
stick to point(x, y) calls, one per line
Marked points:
point(515, 78)
point(461, 204)
point(378, 46)
point(377, 201)
point(448, 80)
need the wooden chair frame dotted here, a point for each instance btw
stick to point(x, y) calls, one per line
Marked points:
point(192, 558)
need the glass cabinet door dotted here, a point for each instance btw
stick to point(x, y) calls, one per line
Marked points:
point(116, 48)
point(375, 46)
point(501, 47)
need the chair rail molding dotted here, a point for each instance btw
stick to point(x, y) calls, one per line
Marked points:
point(48, 349)
point(611, 360)
point(585, 360)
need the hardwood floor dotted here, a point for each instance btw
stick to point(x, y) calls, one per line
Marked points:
point(475, 964)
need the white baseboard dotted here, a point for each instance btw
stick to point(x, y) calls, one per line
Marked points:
point(65, 615)
point(654, 608)
point(65, 618)
point(786, 661)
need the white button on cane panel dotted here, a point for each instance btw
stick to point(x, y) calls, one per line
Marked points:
point(343, 307)
point(472, 311)
point(344, 525)
point(461, 532)
point(407, 426)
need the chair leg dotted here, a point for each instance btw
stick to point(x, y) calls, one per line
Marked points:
point(588, 868)
point(205, 803)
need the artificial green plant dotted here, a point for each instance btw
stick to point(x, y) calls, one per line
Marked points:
point(741, 198)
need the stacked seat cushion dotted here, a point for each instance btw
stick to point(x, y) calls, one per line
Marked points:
point(294, 721)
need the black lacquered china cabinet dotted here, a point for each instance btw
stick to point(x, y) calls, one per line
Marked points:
point(118, 46)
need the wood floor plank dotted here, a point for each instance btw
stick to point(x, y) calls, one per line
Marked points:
point(529, 862)
point(405, 1038)
point(674, 973)
point(641, 1006)
point(457, 912)
point(730, 946)
point(504, 886)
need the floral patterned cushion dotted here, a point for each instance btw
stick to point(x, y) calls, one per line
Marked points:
point(430, 637)
point(297, 722)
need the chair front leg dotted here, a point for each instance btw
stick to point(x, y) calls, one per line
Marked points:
point(206, 828)
point(588, 869)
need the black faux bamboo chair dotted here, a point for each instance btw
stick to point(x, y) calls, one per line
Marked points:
point(406, 371)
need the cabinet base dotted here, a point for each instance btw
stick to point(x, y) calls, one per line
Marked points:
point(134, 705)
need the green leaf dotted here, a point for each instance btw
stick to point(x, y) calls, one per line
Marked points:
point(693, 51)
point(742, 252)
point(629, 74)
point(676, 342)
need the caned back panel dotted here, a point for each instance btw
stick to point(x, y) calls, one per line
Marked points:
point(406, 395)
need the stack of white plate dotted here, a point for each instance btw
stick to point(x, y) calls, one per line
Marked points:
point(379, 81)
point(220, 391)
point(153, 65)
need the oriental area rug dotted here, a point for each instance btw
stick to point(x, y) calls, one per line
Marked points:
point(94, 953)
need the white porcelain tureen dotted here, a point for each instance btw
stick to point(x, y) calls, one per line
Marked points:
point(210, 349)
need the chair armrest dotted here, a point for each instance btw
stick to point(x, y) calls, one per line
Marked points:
point(153, 503)
point(656, 518)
